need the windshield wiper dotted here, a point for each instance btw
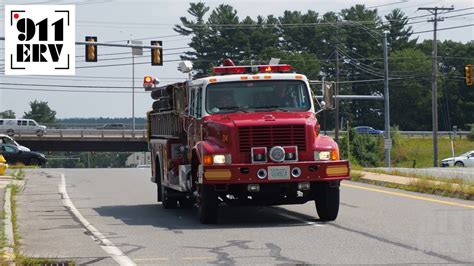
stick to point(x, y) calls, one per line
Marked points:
point(232, 108)
point(270, 107)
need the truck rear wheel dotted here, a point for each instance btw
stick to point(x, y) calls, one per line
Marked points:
point(167, 201)
point(327, 202)
point(159, 196)
point(207, 205)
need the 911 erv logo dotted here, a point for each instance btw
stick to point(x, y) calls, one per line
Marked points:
point(39, 40)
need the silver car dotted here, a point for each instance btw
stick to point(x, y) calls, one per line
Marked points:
point(463, 160)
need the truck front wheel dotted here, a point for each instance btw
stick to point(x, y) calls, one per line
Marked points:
point(207, 205)
point(327, 201)
point(167, 201)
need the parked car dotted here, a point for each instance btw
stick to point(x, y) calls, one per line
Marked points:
point(463, 160)
point(13, 155)
point(112, 126)
point(5, 139)
point(368, 130)
point(21, 126)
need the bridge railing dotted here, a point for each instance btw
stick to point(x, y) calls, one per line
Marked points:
point(88, 133)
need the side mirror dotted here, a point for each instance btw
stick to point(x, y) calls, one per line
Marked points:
point(328, 96)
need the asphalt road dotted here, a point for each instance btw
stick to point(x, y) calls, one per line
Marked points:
point(375, 225)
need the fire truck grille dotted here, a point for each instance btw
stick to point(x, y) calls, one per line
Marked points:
point(269, 136)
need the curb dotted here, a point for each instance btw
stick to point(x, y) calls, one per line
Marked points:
point(9, 254)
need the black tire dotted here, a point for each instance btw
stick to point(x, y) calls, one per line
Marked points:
point(459, 164)
point(39, 133)
point(10, 132)
point(159, 196)
point(186, 203)
point(207, 205)
point(168, 202)
point(327, 202)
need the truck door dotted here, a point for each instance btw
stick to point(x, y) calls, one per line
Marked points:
point(195, 115)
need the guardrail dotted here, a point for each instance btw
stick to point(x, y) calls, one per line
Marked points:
point(86, 133)
point(411, 133)
point(128, 133)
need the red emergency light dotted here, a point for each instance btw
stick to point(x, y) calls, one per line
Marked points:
point(149, 82)
point(226, 70)
point(147, 79)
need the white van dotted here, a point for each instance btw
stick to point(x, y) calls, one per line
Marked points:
point(21, 126)
point(4, 139)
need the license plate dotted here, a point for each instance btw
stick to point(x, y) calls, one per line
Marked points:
point(278, 172)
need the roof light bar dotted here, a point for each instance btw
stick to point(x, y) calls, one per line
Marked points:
point(226, 70)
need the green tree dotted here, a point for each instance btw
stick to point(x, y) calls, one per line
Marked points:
point(41, 112)
point(399, 33)
point(410, 96)
point(363, 43)
point(224, 35)
point(200, 41)
point(7, 114)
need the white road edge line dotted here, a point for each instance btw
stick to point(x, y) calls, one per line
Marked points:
point(103, 242)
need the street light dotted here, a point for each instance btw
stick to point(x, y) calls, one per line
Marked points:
point(375, 35)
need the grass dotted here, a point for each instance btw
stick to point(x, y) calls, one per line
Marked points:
point(3, 239)
point(418, 152)
point(453, 188)
point(396, 172)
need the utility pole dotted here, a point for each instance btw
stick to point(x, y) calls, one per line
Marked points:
point(336, 130)
point(388, 141)
point(434, 72)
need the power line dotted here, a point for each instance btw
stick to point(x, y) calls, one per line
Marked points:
point(449, 28)
point(69, 91)
point(63, 86)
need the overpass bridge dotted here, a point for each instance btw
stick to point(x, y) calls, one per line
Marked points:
point(86, 140)
point(127, 140)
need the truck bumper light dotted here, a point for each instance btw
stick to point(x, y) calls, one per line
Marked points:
point(337, 170)
point(262, 173)
point(253, 187)
point(218, 174)
point(303, 186)
point(296, 172)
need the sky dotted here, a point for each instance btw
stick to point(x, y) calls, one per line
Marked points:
point(120, 20)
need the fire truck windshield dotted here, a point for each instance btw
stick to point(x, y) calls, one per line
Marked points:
point(257, 96)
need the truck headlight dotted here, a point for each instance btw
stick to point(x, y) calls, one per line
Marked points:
point(322, 155)
point(332, 155)
point(221, 159)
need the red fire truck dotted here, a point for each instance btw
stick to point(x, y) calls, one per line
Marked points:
point(246, 135)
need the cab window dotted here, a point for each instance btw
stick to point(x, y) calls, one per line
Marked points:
point(31, 123)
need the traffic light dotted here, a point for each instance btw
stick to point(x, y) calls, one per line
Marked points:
point(91, 50)
point(157, 53)
point(468, 74)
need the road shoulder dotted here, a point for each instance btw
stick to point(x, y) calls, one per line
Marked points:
point(46, 226)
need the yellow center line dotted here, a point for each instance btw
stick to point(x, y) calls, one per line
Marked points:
point(411, 196)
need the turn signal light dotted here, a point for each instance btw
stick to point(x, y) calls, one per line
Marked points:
point(334, 155)
point(208, 160)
